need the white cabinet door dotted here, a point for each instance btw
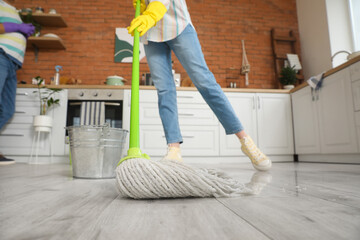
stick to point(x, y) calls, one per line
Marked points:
point(16, 138)
point(58, 113)
point(336, 115)
point(306, 128)
point(198, 140)
point(275, 131)
point(244, 105)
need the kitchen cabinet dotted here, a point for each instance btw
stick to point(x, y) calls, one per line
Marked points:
point(324, 123)
point(274, 121)
point(199, 126)
point(306, 123)
point(336, 115)
point(267, 118)
point(17, 135)
point(244, 105)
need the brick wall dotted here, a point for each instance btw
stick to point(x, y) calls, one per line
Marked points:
point(221, 25)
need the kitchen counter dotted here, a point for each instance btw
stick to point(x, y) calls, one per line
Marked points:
point(246, 90)
point(329, 72)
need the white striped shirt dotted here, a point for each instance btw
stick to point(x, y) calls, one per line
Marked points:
point(172, 24)
point(14, 44)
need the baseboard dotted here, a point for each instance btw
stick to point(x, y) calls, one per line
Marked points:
point(187, 159)
point(40, 159)
point(330, 158)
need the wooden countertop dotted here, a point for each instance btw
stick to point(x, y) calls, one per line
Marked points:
point(246, 90)
point(329, 72)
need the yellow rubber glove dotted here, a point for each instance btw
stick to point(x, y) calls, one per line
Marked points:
point(154, 12)
point(142, 5)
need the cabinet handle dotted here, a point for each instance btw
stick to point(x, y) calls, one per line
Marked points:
point(186, 114)
point(106, 104)
point(189, 136)
point(20, 112)
point(22, 94)
point(185, 96)
point(312, 95)
point(254, 102)
point(12, 135)
point(259, 102)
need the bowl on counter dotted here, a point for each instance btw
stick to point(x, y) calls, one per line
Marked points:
point(115, 81)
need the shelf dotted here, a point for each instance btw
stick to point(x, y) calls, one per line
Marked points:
point(46, 43)
point(48, 19)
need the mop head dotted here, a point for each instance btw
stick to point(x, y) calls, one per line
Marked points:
point(140, 178)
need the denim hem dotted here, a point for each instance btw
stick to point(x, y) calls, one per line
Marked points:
point(234, 131)
point(175, 141)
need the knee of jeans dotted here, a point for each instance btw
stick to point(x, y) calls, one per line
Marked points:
point(208, 82)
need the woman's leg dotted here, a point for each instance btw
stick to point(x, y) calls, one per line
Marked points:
point(159, 61)
point(8, 84)
point(188, 50)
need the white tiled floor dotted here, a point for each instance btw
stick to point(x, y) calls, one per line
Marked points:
point(294, 201)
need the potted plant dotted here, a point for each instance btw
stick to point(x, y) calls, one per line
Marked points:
point(288, 77)
point(43, 122)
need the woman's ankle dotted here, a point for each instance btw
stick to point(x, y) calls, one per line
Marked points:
point(174, 145)
point(241, 134)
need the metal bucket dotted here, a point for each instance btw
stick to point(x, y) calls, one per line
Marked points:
point(95, 150)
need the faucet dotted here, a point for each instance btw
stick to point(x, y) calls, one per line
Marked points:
point(342, 51)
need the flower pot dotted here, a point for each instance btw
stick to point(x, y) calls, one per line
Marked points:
point(42, 123)
point(289, 86)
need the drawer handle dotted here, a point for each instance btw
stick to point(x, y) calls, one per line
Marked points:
point(182, 136)
point(20, 112)
point(22, 94)
point(106, 104)
point(185, 97)
point(12, 135)
point(187, 114)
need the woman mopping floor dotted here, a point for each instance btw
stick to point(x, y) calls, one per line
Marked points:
point(168, 27)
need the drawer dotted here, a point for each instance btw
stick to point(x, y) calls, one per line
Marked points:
point(26, 94)
point(355, 71)
point(356, 95)
point(150, 96)
point(19, 141)
point(189, 114)
point(198, 140)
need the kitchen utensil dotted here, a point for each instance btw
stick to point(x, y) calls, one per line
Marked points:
point(115, 80)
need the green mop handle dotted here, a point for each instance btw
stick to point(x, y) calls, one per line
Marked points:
point(134, 114)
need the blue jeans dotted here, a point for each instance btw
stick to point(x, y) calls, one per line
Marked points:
point(8, 84)
point(187, 49)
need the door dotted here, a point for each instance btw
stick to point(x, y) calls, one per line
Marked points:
point(275, 132)
point(306, 128)
point(244, 105)
point(336, 115)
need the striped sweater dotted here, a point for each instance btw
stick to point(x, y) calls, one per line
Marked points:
point(14, 43)
point(172, 24)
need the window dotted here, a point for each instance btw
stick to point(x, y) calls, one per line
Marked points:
point(354, 6)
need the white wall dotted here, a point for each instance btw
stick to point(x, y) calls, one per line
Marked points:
point(338, 17)
point(314, 37)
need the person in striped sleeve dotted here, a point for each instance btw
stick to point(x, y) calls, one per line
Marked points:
point(165, 26)
point(13, 35)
